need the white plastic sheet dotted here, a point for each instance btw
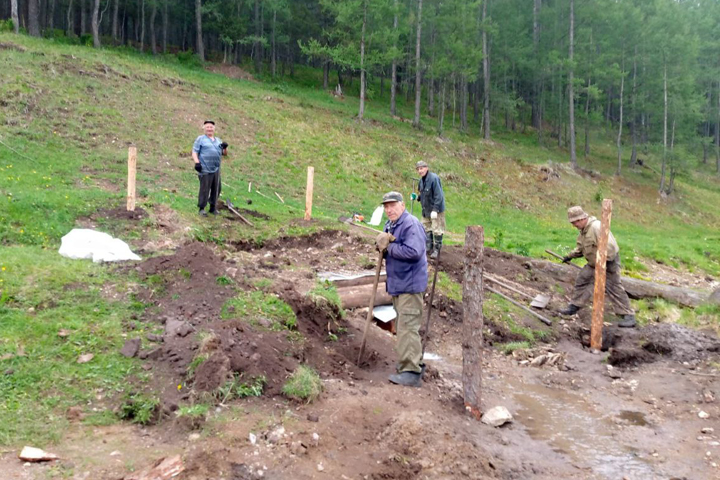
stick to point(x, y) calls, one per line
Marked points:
point(83, 243)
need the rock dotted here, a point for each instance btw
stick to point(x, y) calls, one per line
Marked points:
point(194, 437)
point(154, 338)
point(276, 435)
point(131, 348)
point(63, 333)
point(715, 297)
point(496, 416)
point(32, 454)
point(703, 415)
point(315, 440)
point(320, 467)
point(85, 358)
point(163, 469)
point(313, 418)
point(708, 396)
point(174, 327)
point(707, 430)
point(297, 448)
point(613, 372)
point(538, 361)
point(252, 438)
point(152, 354)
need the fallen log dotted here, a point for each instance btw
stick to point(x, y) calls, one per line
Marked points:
point(635, 288)
point(359, 296)
point(357, 281)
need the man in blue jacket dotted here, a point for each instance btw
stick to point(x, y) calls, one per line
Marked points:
point(403, 244)
point(207, 152)
point(432, 199)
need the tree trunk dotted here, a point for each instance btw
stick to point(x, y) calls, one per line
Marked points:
point(665, 132)
point(51, 14)
point(198, 30)
point(620, 123)
point(33, 18)
point(165, 26)
point(486, 75)
point(393, 68)
point(431, 97)
point(717, 135)
point(14, 15)
point(256, 45)
point(95, 23)
point(153, 39)
point(633, 121)
point(537, 5)
point(142, 25)
point(326, 74)
point(571, 91)
point(361, 111)
point(70, 20)
point(463, 104)
point(115, 18)
point(441, 117)
point(418, 73)
point(83, 17)
point(273, 54)
point(587, 119)
point(472, 344)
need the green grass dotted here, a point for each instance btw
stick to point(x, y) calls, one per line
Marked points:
point(303, 385)
point(510, 347)
point(326, 293)
point(657, 310)
point(258, 307)
point(448, 287)
point(139, 408)
point(198, 410)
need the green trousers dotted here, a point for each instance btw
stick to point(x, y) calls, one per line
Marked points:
point(614, 291)
point(409, 308)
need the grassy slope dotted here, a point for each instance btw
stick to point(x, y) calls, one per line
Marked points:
point(71, 112)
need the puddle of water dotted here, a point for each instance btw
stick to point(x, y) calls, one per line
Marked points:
point(633, 418)
point(573, 427)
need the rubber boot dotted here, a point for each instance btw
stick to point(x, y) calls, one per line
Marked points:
point(570, 310)
point(428, 242)
point(437, 247)
point(202, 213)
point(406, 379)
point(628, 321)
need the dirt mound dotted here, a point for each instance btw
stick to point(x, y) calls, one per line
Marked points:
point(679, 342)
point(323, 239)
point(121, 213)
point(194, 261)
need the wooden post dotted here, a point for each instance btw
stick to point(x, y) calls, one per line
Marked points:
point(309, 193)
point(473, 319)
point(132, 164)
point(600, 271)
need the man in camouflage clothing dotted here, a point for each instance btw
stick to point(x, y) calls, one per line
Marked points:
point(587, 242)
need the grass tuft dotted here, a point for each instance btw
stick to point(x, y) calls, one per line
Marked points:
point(303, 385)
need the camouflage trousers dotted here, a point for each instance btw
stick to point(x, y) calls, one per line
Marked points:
point(614, 291)
point(409, 308)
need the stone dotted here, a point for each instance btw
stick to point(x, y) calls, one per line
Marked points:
point(276, 435)
point(703, 415)
point(174, 327)
point(74, 414)
point(131, 348)
point(297, 448)
point(32, 454)
point(152, 354)
point(707, 430)
point(497, 416)
point(163, 469)
point(315, 440)
point(85, 358)
point(154, 338)
point(313, 418)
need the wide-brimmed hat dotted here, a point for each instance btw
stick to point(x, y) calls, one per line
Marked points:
point(392, 197)
point(576, 213)
point(421, 163)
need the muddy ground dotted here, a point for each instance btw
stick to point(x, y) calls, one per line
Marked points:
point(646, 409)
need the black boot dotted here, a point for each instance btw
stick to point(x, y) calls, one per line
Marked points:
point(438, 245)
point(428, 242)
point(570, 310)
point(407, 379)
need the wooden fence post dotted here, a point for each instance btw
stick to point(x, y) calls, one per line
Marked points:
point(309, 193)
point(600, 273)
point(473, 319)
point(132, 165)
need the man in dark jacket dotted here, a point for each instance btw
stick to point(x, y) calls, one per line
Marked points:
point(406, 266)
point(432, 199)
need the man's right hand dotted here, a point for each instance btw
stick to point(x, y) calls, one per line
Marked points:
point(383, 240)
point(198, 167)
point(413, 196)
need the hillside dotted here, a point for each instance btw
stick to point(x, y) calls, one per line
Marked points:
point(68, 116)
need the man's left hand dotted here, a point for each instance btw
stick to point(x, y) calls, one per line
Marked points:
point(433, 215)
point(383, 240)
point(224, 145)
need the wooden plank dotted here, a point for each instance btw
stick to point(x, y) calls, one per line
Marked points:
point(472, 344)
point(132, 166)
point(600, 274)
point(309, 193)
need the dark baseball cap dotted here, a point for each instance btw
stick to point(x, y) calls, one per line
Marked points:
point(392, 197)
point(208, 121)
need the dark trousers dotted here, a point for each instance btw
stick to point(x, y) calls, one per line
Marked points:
point(614, 291)
point(209, 190)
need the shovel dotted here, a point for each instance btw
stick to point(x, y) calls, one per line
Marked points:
point(538, 301)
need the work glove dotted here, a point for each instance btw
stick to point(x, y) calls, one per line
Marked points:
point(383, 240)
point(223, 145)
point(198, 167)
point(413, 196)
point(433, 215)
point(566, 259)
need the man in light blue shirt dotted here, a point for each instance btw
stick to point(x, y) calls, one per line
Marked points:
point(207, 152)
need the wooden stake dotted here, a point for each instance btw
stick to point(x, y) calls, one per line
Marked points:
point(132, 165)
point(309, 193)
point(600, 271)
point(473, 319)
point(278, 195)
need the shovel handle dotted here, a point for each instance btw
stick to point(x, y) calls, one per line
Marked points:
point(550, 252)
point(369, 318)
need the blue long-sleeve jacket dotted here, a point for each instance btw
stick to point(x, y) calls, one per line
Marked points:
point(406, 264)
point(432, 197)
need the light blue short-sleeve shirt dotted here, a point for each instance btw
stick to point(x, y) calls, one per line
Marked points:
point(209, 152)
